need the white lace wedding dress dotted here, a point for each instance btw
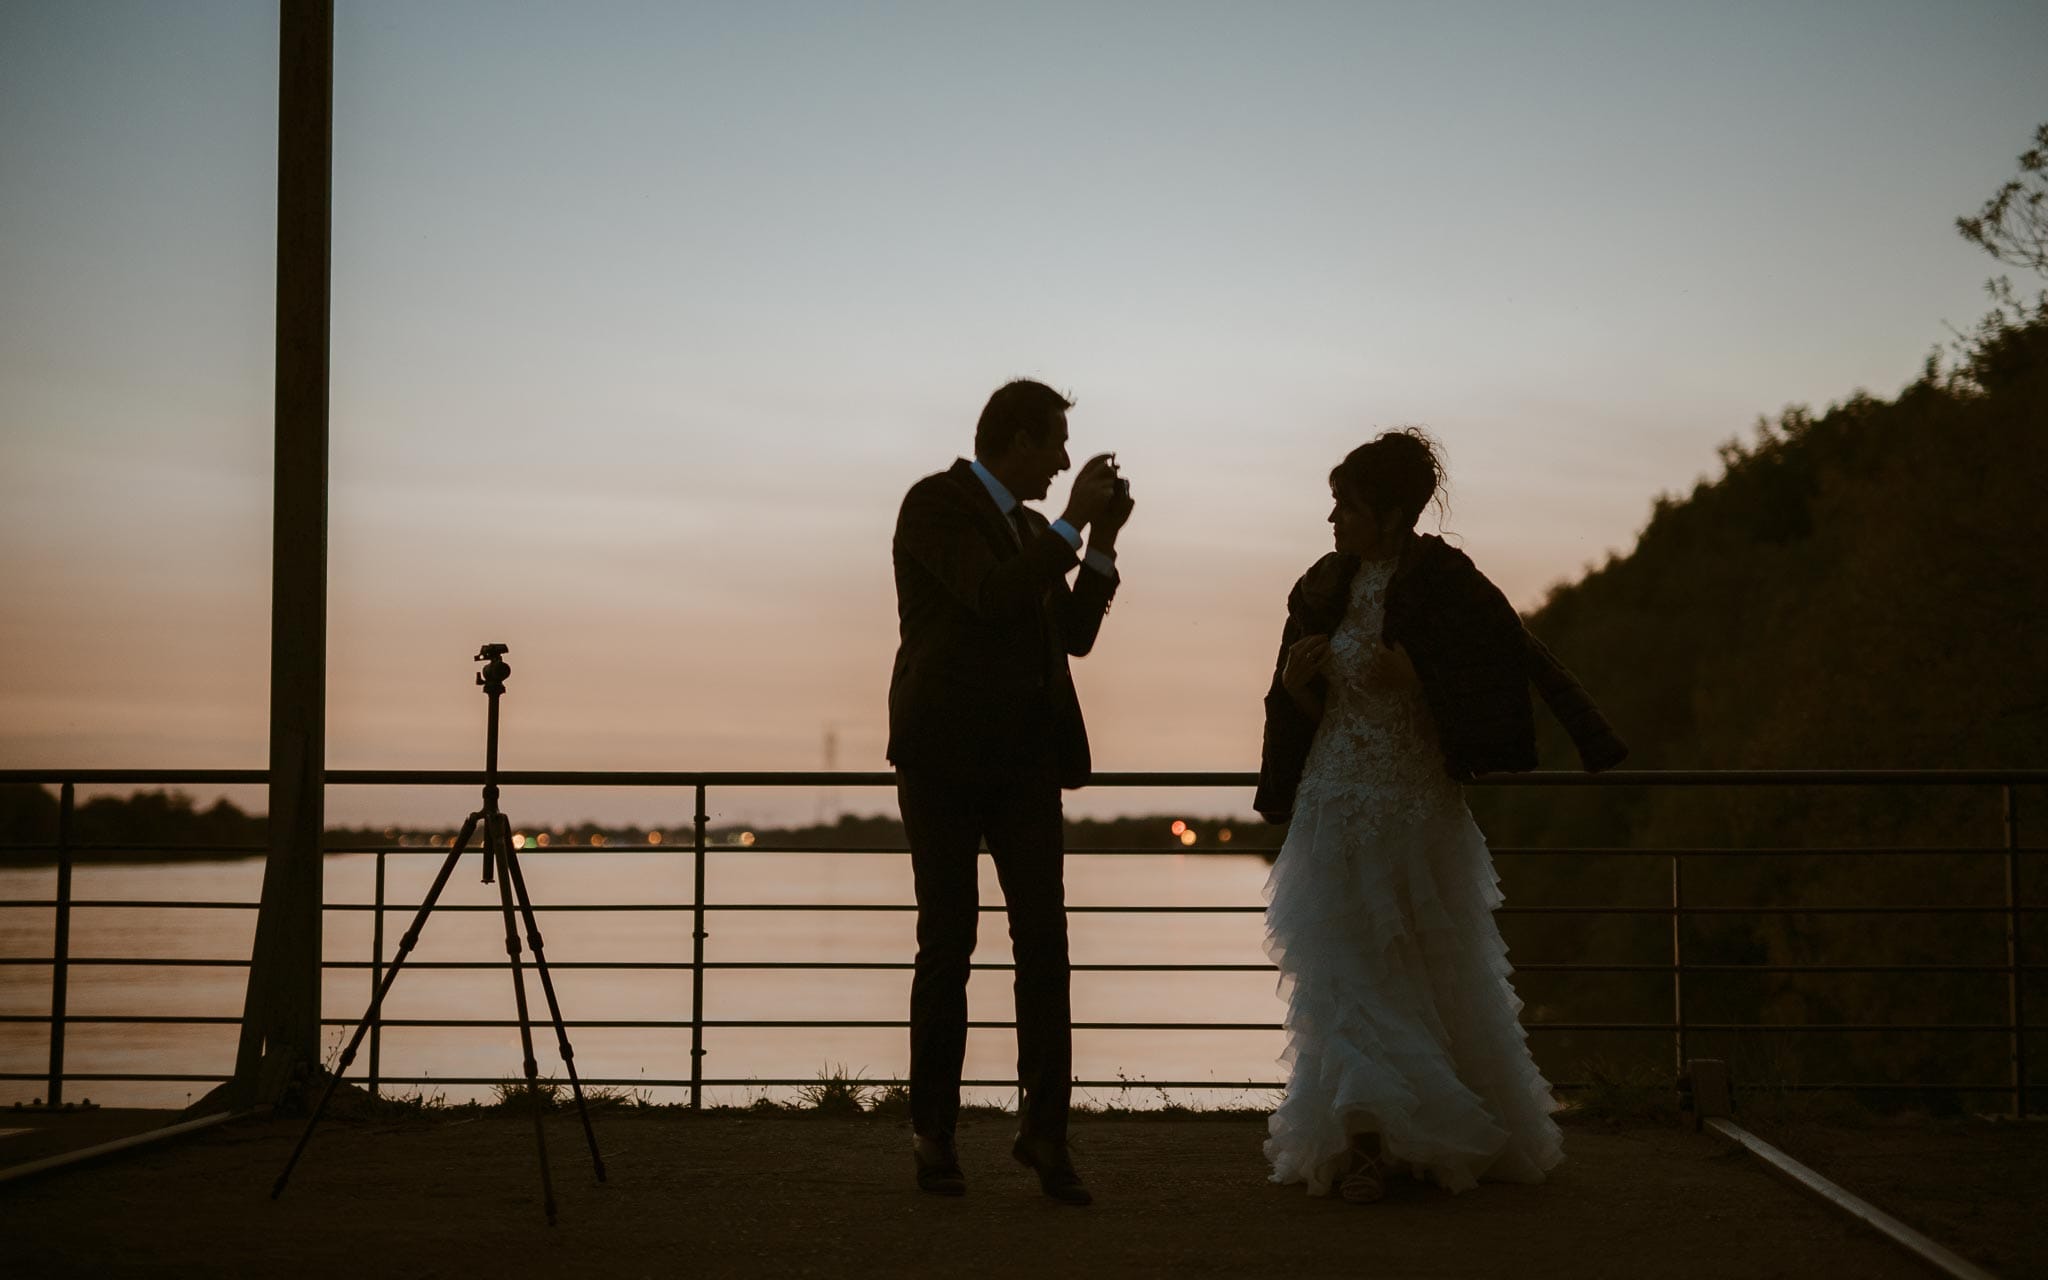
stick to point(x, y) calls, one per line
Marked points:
point(1400, 1017)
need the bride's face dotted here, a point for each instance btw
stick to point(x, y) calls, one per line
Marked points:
point(1354, 526)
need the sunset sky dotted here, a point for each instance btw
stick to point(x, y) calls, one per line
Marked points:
point(645, 315)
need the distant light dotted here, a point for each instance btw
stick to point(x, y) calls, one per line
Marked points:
point(746, 838)
point(654, 837)
point(1179, 827)
point(518, 839)
point(541, 839)
point(1187, 835)
point(448, 842)
point(1223, 835)
point(596, 838)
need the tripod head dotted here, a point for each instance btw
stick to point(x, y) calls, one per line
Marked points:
point(496, 669)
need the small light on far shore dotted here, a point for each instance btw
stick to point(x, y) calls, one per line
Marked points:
point(654, 837)
point(541, 839)
point(1187, 835)
point(596, 839)
point(1179, 827)
point(1223, 835)
point(518, 839)
point(746, 839)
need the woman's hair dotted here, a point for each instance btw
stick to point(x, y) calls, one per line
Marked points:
point(1395, 473)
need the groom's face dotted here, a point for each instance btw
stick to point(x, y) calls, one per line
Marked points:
point(1035, 461)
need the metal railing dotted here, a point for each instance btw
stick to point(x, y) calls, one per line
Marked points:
point(2011, 913)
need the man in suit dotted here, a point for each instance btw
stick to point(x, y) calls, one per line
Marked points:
point(984, 731)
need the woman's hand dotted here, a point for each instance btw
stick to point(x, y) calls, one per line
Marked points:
point(1307, 659)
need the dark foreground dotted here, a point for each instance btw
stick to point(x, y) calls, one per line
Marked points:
point(804, 1194)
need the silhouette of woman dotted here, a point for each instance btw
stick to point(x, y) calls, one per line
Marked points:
point(1402, 671)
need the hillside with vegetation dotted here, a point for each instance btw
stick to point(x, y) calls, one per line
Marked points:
point(1864, 587)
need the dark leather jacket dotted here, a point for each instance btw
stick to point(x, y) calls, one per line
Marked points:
point(1473, 657)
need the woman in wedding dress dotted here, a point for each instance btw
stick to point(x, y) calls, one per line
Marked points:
point(1402, 671)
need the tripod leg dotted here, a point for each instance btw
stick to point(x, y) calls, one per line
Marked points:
point(498, 843)
point(405, 946)
point(547, 986)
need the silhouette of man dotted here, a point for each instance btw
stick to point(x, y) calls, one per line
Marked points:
point(984, 731)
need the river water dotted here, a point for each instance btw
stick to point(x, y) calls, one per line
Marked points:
point(467, 928)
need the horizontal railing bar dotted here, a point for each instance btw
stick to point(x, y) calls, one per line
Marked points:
point(127, 903)
point(904, 965)
point(1974, 1028)
point(146, 1019)
point(897, 1023)
point(1187, 851)
point(119, 904)
point(991, 966)
point(130, 846)
point(773, 1082)
point(1112, 778)
point(1545, 910)
point(1537, 967)
point(1201, 851)
point(1856, 968)
point(136, 1076)
point(156, 777)
point(737, 1082)
point(1708, 851)
point(151, 961)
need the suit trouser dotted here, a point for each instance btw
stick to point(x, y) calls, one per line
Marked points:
point(946, 817)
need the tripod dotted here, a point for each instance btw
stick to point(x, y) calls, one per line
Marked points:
point(498, 854)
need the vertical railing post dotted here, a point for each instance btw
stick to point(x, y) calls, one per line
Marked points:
point(2015, 955)
point(697, 936)
point(60, 954)
point(1678, 960)
point(377, 977)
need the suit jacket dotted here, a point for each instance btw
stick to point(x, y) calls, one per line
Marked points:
point(981, 682)
point(1473, 657)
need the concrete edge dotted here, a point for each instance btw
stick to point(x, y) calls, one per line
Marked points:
point(1933, 1253)
point(132, 1142)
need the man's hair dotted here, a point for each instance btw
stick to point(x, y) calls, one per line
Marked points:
point(1022, 405)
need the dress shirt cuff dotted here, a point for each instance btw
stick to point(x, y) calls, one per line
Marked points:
point(1067, 531)
point(1103, 562)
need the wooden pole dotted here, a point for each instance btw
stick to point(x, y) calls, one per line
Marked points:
point(281, 1012)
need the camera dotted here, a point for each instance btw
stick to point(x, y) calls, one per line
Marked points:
point(496, 669)
point(1123, 486)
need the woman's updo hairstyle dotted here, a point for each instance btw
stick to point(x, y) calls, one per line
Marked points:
point(1395, 473)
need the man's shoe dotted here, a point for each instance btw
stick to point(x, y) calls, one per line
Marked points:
point(1055, 1169)
point(938, 1166)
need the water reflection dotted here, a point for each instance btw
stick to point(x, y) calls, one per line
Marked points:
point(467, 929)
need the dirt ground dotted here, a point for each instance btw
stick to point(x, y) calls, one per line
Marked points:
point(736, 1194)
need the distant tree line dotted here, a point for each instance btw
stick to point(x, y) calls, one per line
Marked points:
point(153, 826)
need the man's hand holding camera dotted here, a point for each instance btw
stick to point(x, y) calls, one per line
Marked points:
point(1100, 502)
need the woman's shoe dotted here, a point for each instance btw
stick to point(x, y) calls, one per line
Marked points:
point(1366, 1183)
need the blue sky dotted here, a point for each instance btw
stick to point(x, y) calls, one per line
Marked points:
point(645, 316)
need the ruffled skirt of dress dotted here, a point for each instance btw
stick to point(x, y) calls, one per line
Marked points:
point(1400, 1017)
